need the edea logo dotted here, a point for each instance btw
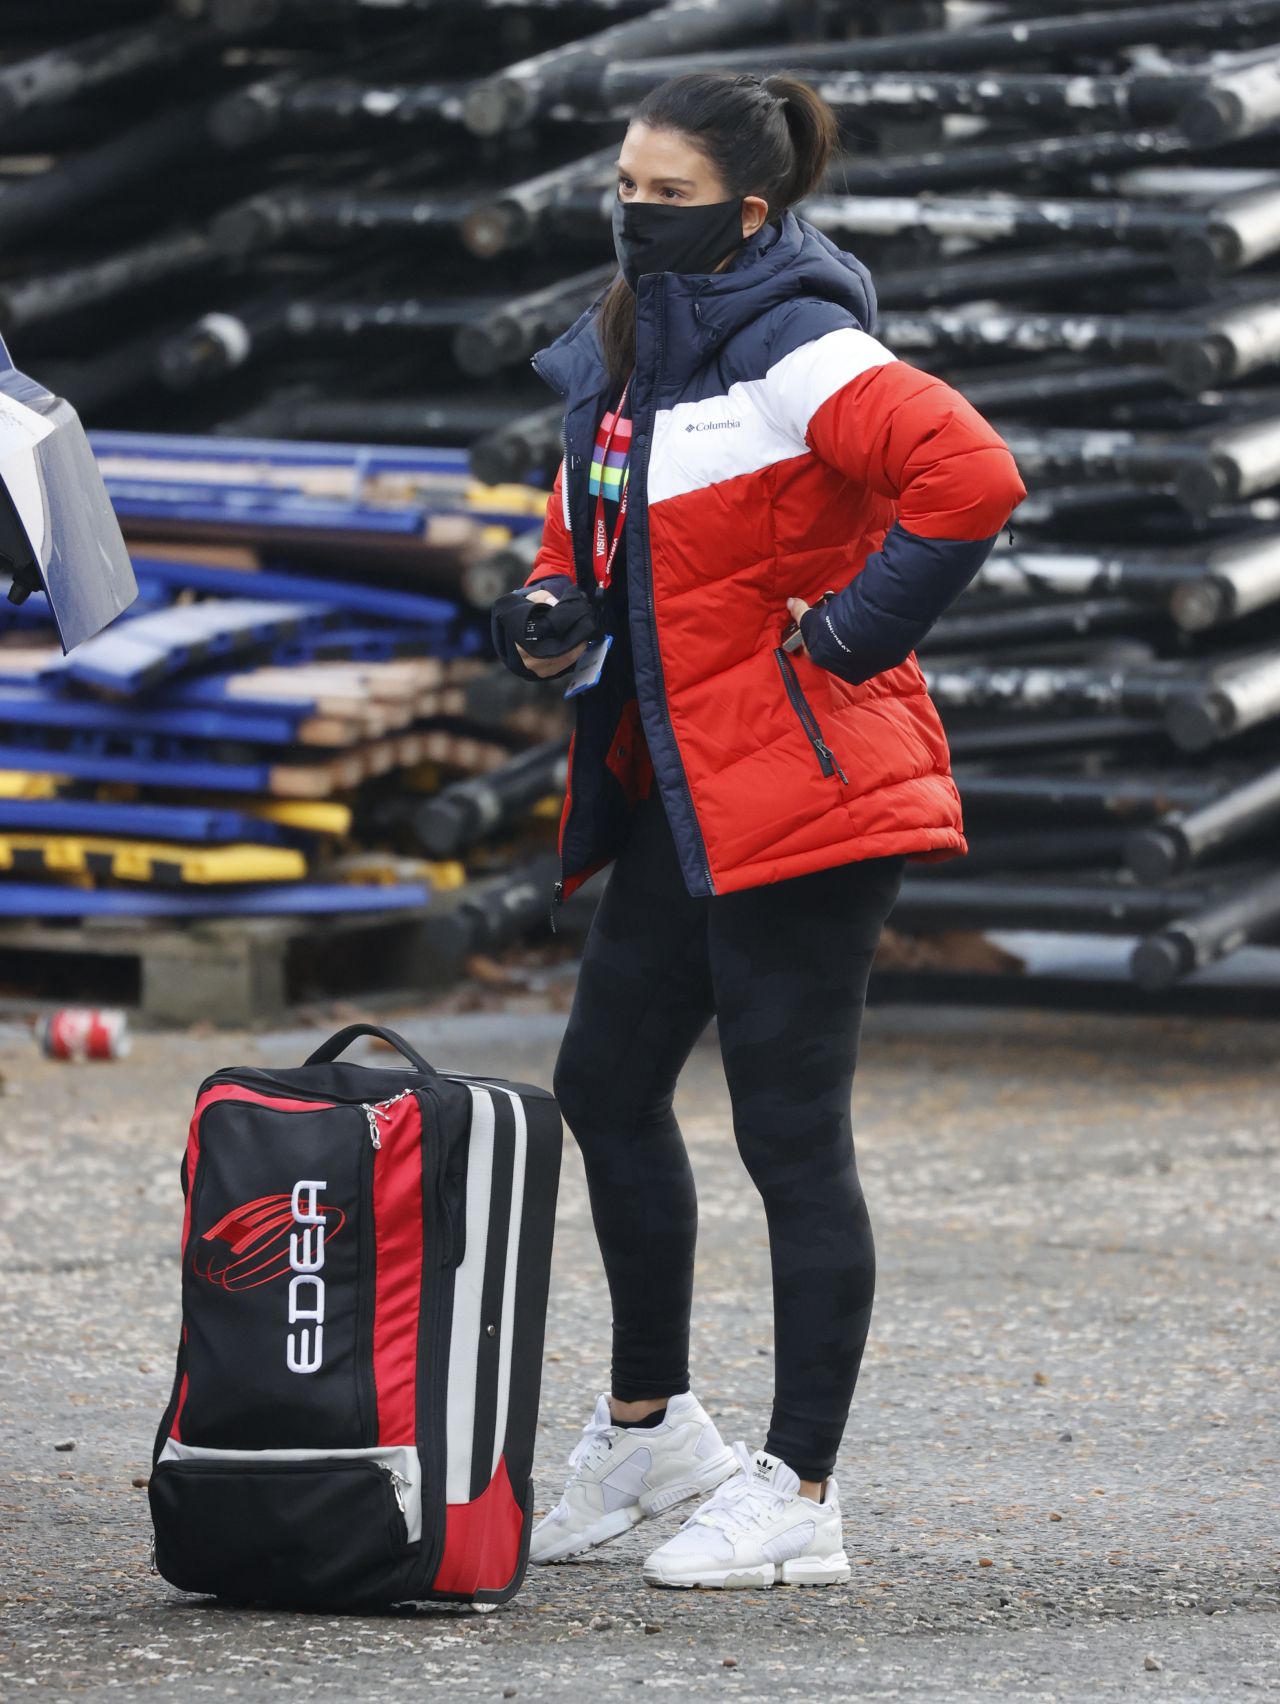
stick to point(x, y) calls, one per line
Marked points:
point(274, 1237)
point(306, 1287)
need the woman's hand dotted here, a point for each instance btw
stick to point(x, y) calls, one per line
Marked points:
point(545, 667)
point(796, 608)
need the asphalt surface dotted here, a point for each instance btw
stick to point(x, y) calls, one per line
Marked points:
point(1060, 1478)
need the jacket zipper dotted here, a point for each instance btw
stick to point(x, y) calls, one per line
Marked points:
point(642, 528)
point(557, 892)
point(808, 721)
point(557, 897)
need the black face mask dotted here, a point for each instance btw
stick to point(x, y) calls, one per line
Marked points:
point(649, 237)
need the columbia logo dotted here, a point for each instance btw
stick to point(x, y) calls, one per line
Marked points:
point(712, 425)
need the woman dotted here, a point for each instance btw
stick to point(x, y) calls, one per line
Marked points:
point(757, 455)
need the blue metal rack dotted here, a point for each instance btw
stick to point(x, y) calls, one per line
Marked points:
point(200, 824)
point(373, 601)
point(39, 899)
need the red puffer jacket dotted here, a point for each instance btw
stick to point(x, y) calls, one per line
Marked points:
point(778, 451)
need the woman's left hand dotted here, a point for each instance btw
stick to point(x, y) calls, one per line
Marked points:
point(796, 608)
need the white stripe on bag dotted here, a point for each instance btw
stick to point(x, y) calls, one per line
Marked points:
point(468, 1287)
point(507, 1326)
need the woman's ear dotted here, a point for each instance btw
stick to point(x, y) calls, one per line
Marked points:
point(755, 210)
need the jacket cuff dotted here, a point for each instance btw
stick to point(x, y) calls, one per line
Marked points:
point(880, 617)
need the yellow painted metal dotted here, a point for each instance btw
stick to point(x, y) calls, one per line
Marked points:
point(318, 816)
point(315, 816)
point(146, 860)
point(513, 499)
point(28, 784)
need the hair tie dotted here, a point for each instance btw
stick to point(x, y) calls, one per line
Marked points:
point(749, 80)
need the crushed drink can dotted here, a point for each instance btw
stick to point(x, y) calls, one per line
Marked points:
point(83, 1032)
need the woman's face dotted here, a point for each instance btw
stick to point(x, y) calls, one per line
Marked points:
point(665, 166)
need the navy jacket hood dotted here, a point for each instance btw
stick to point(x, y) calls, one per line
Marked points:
point(779, 264)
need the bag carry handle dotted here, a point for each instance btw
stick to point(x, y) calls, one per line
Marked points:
point(343, 1038)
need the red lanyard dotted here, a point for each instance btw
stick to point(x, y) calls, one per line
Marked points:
point(603, 550)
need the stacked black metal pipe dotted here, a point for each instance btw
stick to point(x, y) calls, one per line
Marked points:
point(366, 217)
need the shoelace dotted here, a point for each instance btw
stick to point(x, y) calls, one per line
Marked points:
point(594, 1432)
point(739, 1501)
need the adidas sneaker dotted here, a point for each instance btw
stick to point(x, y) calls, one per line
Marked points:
point(756, 1530)
point(620, 1475)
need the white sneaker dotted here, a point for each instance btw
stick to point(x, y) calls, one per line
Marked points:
point(757, 1530)
point(622, 1475)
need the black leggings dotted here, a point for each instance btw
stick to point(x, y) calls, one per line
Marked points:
point(784, 969)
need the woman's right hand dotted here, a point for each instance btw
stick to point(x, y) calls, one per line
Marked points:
point(545, 667)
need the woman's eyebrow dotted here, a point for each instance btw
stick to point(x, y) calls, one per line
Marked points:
point(686, 183)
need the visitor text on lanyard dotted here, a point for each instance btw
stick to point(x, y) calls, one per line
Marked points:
point(603, 549)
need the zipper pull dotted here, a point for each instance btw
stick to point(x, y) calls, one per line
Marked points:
point(374, 1110)
point(825, 751)
point(557, 896)
point(397, 1480)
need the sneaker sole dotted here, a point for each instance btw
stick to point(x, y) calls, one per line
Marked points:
point(799, 1571)
point(651, 1503)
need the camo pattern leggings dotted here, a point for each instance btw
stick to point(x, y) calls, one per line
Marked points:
point(783, 968)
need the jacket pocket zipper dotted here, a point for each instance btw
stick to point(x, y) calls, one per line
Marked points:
point(808, 721)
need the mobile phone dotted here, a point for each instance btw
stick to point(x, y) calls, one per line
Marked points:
point(792, 638)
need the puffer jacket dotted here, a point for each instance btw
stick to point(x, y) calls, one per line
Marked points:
point(778, 450)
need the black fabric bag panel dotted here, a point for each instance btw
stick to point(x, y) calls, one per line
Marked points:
point(304, 1535)
point(336, 1079)
point(257, 1377)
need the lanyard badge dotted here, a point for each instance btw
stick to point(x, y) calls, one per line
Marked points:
point(604, 549)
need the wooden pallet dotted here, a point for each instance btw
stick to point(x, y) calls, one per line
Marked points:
point(236, 972)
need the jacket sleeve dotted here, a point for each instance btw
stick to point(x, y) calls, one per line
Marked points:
point(552, 570)
point(911, 438)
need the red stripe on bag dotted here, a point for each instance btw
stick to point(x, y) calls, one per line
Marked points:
point(397, 1224)
point(221, 1092)
point(482, 1539)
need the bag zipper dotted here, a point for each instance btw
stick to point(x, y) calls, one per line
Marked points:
point(366, 1297)
point(373, 1110)
point(808, 721)
point(432, 1381)
point(251, 1076)
point(397, 1480)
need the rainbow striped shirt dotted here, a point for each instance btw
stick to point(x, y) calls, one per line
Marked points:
point(611, 471)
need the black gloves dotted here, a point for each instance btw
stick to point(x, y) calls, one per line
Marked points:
point(543, 629)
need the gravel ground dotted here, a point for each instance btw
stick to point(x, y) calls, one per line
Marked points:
point(1059, 1479)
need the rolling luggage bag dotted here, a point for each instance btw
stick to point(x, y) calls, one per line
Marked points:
point(365, 1260)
